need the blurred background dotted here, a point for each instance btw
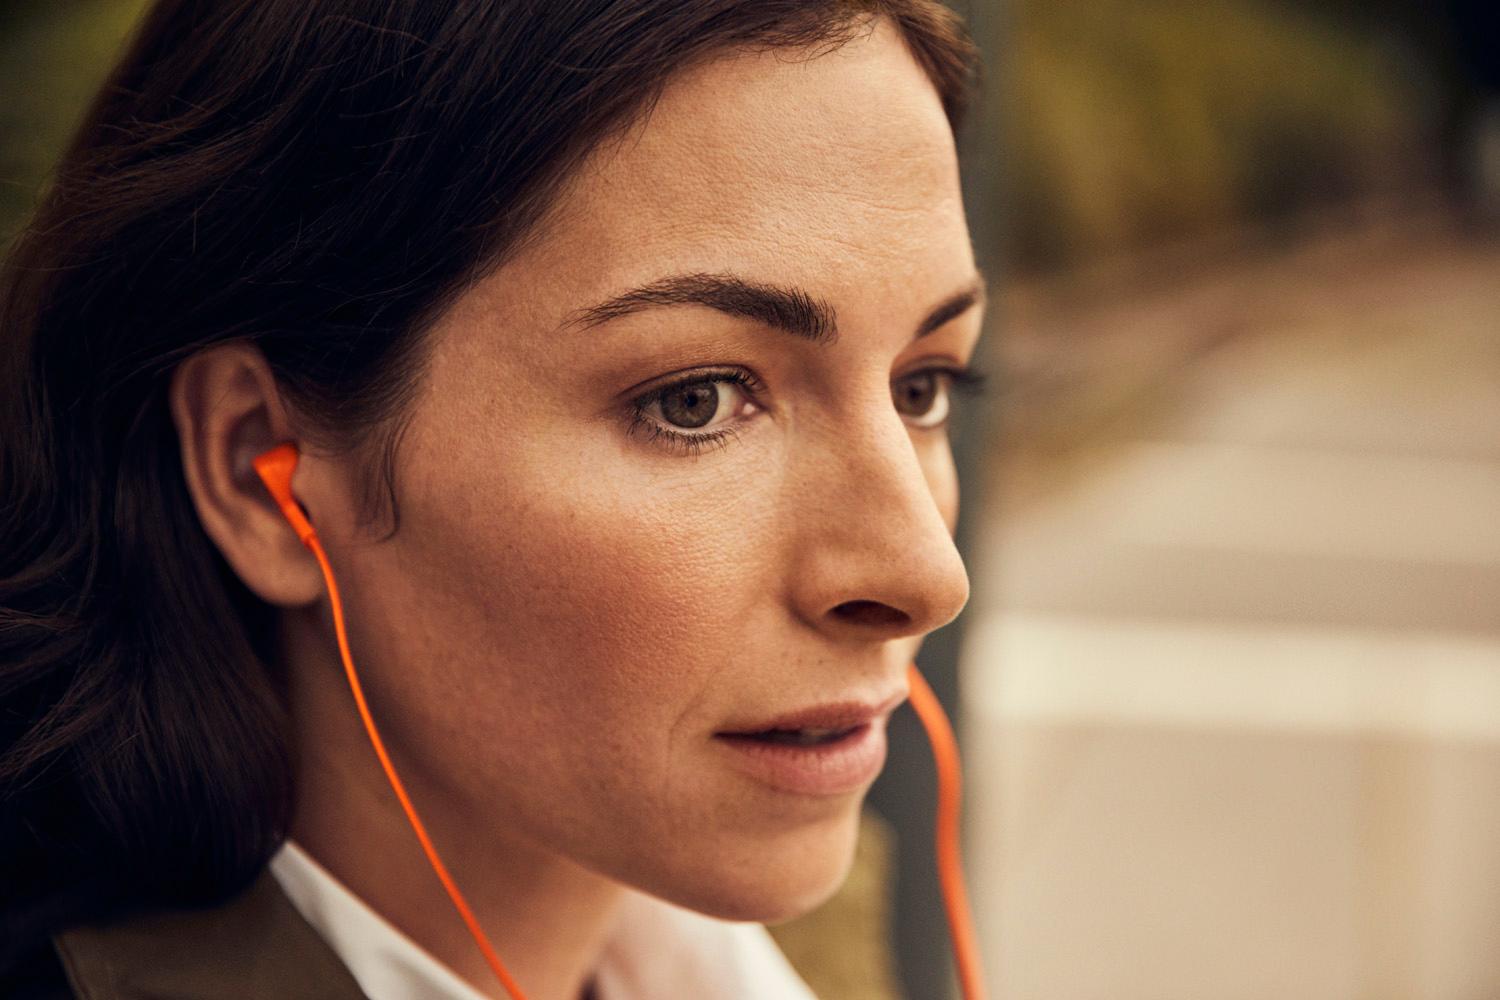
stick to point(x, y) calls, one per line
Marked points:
point(1229, 682)
point(1231, 672)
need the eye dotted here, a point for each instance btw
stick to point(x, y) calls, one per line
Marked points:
point(924, 397)
point(692, 414)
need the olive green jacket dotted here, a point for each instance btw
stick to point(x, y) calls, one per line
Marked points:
point(256, 947)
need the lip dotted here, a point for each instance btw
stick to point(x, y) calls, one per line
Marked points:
point(826, 769)
point(838, 767)
point(834, 715)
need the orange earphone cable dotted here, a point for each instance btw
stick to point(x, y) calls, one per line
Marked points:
point(490, 956)
point(275, 468)
point(950, 870)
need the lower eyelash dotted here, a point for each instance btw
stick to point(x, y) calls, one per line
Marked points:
point(682, 443)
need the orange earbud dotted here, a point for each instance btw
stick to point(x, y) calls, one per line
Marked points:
point(275, 468)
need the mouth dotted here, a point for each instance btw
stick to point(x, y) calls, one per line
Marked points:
point(825, 751)
point(809, 762)
point(819, 723)
point(795, 737)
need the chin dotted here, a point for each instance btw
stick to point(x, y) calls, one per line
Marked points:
point(776, 879)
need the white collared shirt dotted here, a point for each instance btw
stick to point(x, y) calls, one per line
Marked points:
point(658, 950)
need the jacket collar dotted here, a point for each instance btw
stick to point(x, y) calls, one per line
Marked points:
point(255, 947)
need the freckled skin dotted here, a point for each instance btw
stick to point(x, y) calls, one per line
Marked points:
point(569, 611)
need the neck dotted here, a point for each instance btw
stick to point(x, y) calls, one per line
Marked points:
point(547, 917)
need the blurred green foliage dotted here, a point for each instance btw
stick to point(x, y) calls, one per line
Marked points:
point(1127, 122)
point(53, 56)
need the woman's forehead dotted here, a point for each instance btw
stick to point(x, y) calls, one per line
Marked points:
point(757, 156)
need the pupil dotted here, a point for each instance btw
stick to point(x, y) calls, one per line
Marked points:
point(916, 394)
point(690, 406)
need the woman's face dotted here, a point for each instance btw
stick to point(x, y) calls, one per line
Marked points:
point(594, 580)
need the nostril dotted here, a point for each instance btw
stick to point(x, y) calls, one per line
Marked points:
point(872, 613)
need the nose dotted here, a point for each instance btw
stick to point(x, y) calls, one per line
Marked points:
point(873, 555)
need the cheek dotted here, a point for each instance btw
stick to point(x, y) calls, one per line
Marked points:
point(569, 620)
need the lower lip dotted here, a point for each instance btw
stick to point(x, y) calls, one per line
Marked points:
point(836, 768)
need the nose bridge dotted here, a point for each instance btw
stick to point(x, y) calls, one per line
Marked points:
point(874, 536)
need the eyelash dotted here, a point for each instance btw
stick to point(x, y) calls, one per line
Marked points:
point(964, 379)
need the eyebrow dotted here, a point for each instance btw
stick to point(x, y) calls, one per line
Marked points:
point(786, 308)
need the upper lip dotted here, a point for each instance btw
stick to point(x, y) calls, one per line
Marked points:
point(832, 715)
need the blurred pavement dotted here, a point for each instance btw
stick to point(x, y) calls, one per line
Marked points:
point(1233, 675)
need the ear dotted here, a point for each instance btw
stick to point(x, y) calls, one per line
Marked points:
point(227, 408)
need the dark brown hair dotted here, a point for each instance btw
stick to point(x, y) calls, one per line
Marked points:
point(319, 178)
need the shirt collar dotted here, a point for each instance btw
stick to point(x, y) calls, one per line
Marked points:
point(658, 950)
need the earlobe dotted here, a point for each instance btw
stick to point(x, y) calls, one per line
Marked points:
point(227, 410)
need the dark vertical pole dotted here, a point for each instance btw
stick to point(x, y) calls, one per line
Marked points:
point(905, 794)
